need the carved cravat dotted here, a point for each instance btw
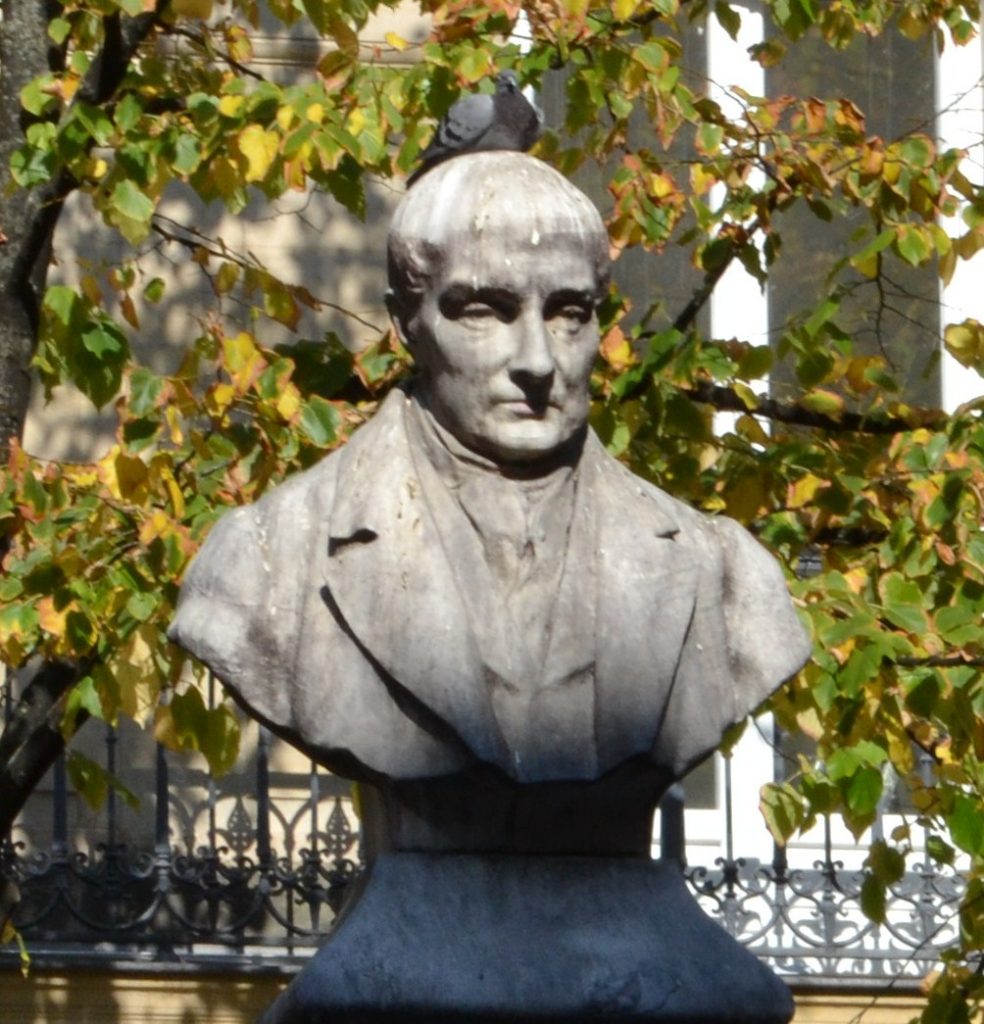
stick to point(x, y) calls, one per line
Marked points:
point(509, 542)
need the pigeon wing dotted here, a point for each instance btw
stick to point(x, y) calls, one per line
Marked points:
point(517, 124)
point(461, 128)
point(466, 122)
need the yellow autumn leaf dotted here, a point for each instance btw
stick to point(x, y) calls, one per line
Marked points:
point(356, 122)
point(158, 525)
point(661, 186)
point(289, 402)
point(192, 8)
point(82, 475)
point(315, 113)
point(243, 360)
point(52, 620)
point(616, 350)
point(857, 579)
point(68, 87)
point(91, 290)
point(701, 181)
point(260, 147)
point(138, 675)
point(809, 723)
point(161, 467)
point(624, 9)
point(746, 394)
point(173, 418)
point(229, 106)
point(397, 42)
point(220, 398)
point(124, 476)
point(707, 457)
point(285, 118)
point(803, 491)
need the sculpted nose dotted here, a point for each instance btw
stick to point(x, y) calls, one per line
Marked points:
point(534, 357)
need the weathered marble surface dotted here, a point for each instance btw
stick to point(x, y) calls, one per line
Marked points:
point(623, 941)
point(514, 643)
point(363, 611)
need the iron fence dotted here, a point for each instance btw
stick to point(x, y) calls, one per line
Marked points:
point(249, 872)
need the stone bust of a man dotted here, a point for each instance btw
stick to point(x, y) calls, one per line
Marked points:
point(473, 588)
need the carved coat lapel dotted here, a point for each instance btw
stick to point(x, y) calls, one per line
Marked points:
point(393, 586)
point(405, 607)
point(646, 597)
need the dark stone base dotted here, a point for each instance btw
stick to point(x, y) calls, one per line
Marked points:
point(435, 938)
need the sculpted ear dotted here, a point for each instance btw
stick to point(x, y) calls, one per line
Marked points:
point(401, 319)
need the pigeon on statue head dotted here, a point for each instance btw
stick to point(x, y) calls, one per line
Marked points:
point(481, 122)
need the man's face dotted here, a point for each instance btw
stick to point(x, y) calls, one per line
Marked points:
point(506, 339)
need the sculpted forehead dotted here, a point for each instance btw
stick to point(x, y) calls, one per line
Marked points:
point(496, 199)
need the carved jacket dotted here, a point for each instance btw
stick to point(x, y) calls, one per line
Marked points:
point(332, 612)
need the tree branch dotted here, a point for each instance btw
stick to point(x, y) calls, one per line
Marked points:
point(795, 414)
point(33, 739)
point(28, 219)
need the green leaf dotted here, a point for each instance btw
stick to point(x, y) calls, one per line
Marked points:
point(142, 605)
point(187, 724)
point(965, 342)
point(96, 121)
point(914, 244)
point(63, 302)
point(128, 112)
point(651, 56)
point(104, 339)
point(729, 19)
point(95, 783)
point(154, 291)
point(84, 696)
point(145, 389)
point(887, 864)
point(709, 138)
point(873, 900)
point(903, 603)
point(966, 822)
point(940, 850)
point(320, 421)
point(131, 202)
point(58, 30)
point(866, 260)
point(187, 155)
point(783, 809)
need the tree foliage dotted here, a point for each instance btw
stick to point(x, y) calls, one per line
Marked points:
point(833, 465)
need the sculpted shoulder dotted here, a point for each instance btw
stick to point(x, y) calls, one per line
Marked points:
point(240, 598)
point(764, 640)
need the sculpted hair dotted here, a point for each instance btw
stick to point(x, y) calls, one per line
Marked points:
point(478, 192)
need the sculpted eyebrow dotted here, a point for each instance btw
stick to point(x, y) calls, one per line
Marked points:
point(459, 294)
point(573, 296)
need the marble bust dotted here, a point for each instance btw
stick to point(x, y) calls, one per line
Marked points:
point(473, 581)
point(474, 610)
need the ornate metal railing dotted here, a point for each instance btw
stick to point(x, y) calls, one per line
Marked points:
point(252, 870)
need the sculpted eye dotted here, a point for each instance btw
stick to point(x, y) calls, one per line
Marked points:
point(569, 307)
point(477, 311)
point(569, 313)
point(467, 304)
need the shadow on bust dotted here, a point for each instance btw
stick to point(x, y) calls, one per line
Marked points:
point(514, 643)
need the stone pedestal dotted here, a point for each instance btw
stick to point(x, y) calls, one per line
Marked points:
point(437, 937)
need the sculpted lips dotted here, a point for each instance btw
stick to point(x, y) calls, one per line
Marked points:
point(526, 409)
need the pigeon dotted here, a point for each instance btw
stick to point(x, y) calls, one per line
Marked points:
point(480, 122)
